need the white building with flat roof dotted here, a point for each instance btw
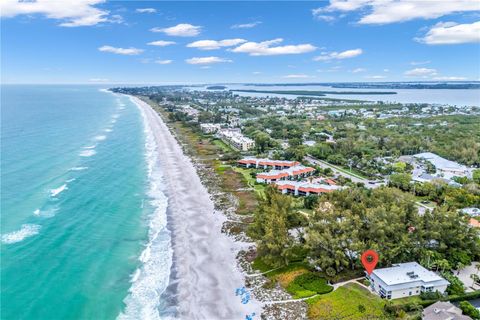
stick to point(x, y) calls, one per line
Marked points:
point(236, 139)
point(210, 127)
point(404, 280)
point(445, 168)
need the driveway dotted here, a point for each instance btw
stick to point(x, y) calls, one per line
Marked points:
point(464, 276)
point(356, 179)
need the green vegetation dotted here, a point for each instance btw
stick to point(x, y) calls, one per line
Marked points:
point(469, 310)
point(293, 235)
point(315, 93)
point(386, 220)
point(308, 284)
point(223, 146)
point(347, 302)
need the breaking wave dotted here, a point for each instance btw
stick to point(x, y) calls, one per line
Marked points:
point(151, 278)
point(57, 191)
point(87, 153)
point(26, 231)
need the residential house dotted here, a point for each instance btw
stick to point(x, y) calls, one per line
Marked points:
point(443, 310)
point(296, 172)
point(404, 280)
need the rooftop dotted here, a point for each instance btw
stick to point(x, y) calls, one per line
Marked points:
point(439, 162)
point(407, 272)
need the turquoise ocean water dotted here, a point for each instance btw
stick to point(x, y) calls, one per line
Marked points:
point(82, 212)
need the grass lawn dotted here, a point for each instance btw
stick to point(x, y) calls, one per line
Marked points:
point(353, 172)
point(251, 181)
point(346, 303)
point(407, 300)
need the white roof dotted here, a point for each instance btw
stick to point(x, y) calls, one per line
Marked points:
point(439, 162)
point(401, 274)
point(471, 211)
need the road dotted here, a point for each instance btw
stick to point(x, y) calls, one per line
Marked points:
point(335, 169)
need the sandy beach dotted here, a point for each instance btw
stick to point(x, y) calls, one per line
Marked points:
point(205, 273)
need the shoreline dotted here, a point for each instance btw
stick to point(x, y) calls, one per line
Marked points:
point(201, 251)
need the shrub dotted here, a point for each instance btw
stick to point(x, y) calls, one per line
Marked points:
point(309, 284)
point(430, 295)
point(469, 310)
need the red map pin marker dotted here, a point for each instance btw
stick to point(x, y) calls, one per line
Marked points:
point(369, 260)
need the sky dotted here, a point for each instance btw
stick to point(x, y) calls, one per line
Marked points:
point(161, 42)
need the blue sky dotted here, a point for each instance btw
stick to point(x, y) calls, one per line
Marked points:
point(90, 41)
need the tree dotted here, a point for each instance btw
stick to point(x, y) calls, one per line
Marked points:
point(271, 230)
point(310, 201)
point(399, 167)
point(476, 176)
point(469, 310)
point(262, 141)
point(401, 181)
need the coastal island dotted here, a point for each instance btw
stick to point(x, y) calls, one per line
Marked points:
point(315, 93)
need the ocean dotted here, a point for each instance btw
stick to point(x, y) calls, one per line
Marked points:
point(83, 214)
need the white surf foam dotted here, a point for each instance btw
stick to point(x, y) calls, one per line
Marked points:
point(100, 138)
point(90, 147)
point(47, 212)
point(113, 121)
point(87, 153)
point(150, 280)
point(57, 191)
point(27, 230)
point(108, 130)
point(78, 168)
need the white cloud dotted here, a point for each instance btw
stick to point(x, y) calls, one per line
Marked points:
point(146, 10)
point(390, 11)
point(419, 63)
point(206, 60)
point(125, 51)
point(325, 56)
point(357, 70)
point(386, 70)
point(163, 61)
point(72, 13)
point(180, 30)
point(246, 25)
point(97, 80)
point(161, 43)
point(267, 48)
point(449, 78)
point(375, 77)
point(421, 72)
point(452, 33)
point(257, 72)
point(214, 44)
point(297, 76)
point(332, 69)
point(324, 17)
